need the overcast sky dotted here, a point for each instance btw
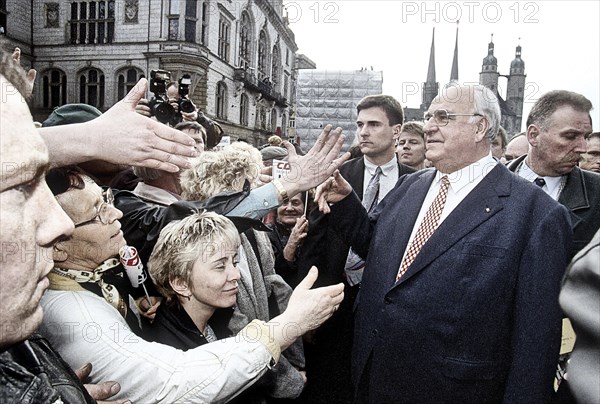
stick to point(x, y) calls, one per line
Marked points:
point(560, 42)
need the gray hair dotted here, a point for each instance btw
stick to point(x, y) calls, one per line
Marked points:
point(548, 103)
point(486, 104)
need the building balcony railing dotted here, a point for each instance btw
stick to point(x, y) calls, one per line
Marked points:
point(251, 82)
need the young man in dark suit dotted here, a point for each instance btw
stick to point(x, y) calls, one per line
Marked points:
point(459, 297)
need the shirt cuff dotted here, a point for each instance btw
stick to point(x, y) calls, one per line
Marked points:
point(257, 330)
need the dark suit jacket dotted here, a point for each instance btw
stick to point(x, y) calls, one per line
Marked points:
point(475, 318)
point(328, 361)
point(325, 248)
point(581, 196)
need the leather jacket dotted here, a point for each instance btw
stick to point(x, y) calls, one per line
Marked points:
point(33, 372)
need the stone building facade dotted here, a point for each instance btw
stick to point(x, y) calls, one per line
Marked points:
point(240, 55)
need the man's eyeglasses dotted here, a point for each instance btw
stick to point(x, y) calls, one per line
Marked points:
point(442, 117)
point(103, 212)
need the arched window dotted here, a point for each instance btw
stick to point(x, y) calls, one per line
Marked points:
point(91, 88)
point(126, 80)
point(286, 81)
point(263, 56)
point(276, 68)
point(244, 107)
point(262, 118)
point(54, 88)
point(273, 120)
point(245, 41)
point(221, 100)
point(284, 124)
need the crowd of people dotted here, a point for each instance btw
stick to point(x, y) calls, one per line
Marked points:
point(141, 263)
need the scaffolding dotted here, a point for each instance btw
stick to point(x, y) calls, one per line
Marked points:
point(330, 97)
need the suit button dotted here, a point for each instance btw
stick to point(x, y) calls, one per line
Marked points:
point(375, 332)
point(387, 300)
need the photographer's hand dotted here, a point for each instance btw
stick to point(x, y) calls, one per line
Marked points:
point(190, 116)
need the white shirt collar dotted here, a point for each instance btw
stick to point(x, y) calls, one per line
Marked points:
point(386, 169)
point(552, 183)
point(469, 174)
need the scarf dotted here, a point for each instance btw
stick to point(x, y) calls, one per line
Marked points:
point(69, 280)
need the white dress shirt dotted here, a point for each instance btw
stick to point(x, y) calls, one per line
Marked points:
point(462, 182)
point(553, 184)
point(388, 178)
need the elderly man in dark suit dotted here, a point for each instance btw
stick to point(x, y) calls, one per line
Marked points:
point(557, 127)
point(459, 298)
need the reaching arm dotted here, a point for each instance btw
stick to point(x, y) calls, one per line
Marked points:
point(121, 136)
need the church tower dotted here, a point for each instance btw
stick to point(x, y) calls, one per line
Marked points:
point(516, 87)
point(489, 70)
point(430, 87)
point(454, 70)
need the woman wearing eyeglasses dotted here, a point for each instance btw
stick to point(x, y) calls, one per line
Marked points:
point(88, 260)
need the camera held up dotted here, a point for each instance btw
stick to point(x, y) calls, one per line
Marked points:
point(185, 105)
point(159, 104)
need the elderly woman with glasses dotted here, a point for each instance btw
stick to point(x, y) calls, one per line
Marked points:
point(85, 307)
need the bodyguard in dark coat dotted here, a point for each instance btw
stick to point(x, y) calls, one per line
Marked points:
point(556, 130)
point(474, 318)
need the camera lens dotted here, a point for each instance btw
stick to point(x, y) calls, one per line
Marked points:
point(186, 105)
point(163, 111)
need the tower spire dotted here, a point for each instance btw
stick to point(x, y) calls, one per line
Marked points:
point(430, 87)
point(431, 69)
point(454, 71)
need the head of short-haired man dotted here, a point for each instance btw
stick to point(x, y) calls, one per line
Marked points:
point(463, 122)
point(378, 125)
point(196, 132)
point(517, 147)
point(31, 221)
point(410, 145)
point(557, 126)
point(590, 160)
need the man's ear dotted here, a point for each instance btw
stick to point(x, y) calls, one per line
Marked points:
point(59, 253)
point(396, 131)
point(481, 129)
point(533, 131)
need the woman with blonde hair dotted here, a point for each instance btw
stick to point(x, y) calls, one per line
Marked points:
point(262, 293)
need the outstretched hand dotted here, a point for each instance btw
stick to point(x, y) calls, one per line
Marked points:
point(317, 165)
point(136, 140)
point(333, 190)
point(309, 308)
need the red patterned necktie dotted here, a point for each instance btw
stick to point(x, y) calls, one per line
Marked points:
point(427, 227)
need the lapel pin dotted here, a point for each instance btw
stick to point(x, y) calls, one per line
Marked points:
point(488, 210)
